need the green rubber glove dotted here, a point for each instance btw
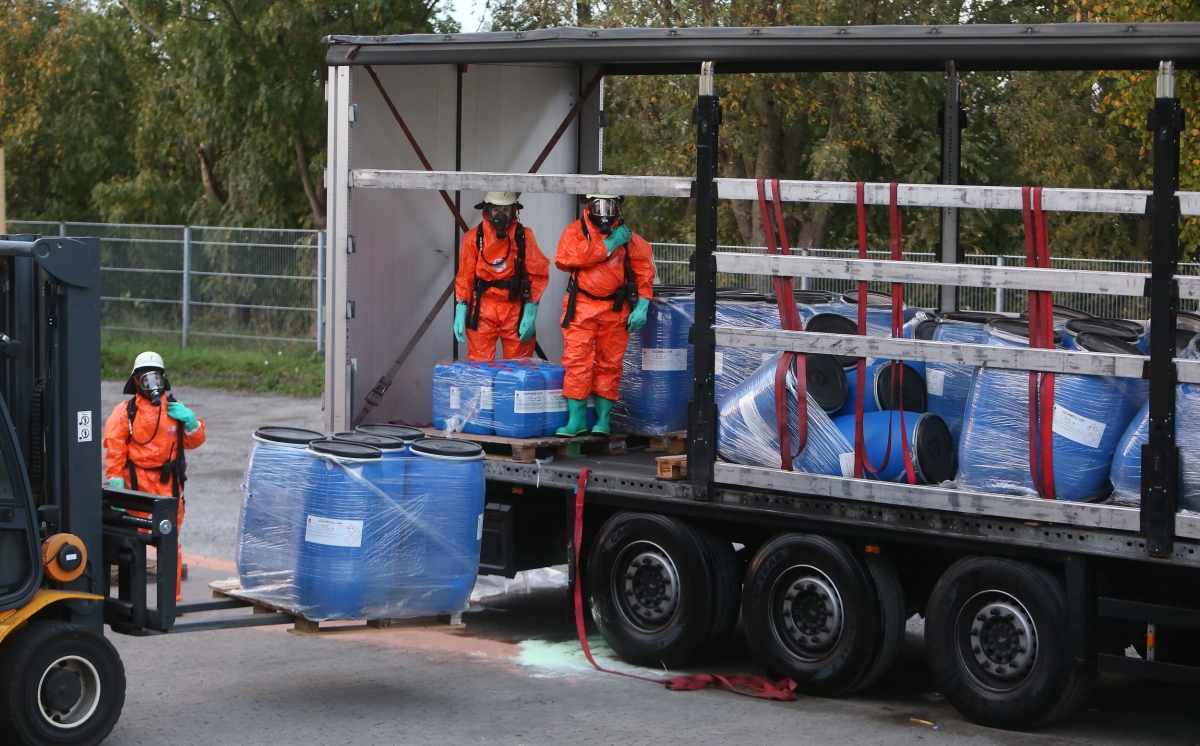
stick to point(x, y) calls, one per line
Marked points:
point(620, 236)
point(460, 322)
point(637, 317)
point(117, 483)
point(528, 322)
point(183, 416)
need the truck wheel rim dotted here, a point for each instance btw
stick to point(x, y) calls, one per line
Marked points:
point(997, 634)
point(57, 688)
point(646, 585)
point(808, 610)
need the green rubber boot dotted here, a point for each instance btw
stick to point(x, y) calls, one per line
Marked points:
point(604, 408)
point(577, 419)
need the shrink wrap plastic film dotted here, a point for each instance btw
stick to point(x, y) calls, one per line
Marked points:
point(747, 432)
point(879, 318)
point(1090, 414)
point(361, 532)
point(948, 386)
point(736, 364)
point(463, 397)
point(656, 378)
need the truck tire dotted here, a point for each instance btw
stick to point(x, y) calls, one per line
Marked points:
point(996, 634)
point(60, 683)
point(811, 613)
point(890, 592)
point(726, 589)
point(651, 589)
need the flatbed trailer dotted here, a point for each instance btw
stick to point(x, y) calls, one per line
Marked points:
point(1026, 599)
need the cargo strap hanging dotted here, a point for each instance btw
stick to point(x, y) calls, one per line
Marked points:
point(518, 285)
point(789, 319)
point(1041, 335)
point(759, 687)
point(862, 462)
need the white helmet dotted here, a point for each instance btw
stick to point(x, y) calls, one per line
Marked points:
point(499, 199)
point(148, 359)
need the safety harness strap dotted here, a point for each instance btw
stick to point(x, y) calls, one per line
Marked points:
point(627, 293)
point(517, 285)
point(173, 471)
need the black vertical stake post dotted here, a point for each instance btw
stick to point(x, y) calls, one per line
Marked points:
point(457, 195)
point(952, 121)
point(1160, 456)
point(702, 438)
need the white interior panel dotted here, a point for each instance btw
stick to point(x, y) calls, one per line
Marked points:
point(404, 240)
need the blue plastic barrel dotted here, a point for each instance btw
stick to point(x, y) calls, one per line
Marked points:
point(519, 395)
point(271, 506)
point(1090, 415)
point(930, 446)
point(445, 376)
point(879, 394)
point(475, 400)
point(349, 532)
point(1129, 332)
point(948, 385)
point(742, 310)
point(1126, 473)
point(440, 555)
point(554, 406)
point(656, 383)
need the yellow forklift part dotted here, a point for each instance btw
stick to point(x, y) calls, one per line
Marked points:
point(14, 618)
point(64, 556)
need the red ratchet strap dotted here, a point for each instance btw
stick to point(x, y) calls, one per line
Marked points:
point(750, 686)
point(789, 319)
point(1041, 335)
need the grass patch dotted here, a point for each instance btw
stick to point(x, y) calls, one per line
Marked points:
point(280, 369)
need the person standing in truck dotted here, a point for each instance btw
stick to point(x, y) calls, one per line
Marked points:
point(501, 277)
point(608, 295)
point(145, 439)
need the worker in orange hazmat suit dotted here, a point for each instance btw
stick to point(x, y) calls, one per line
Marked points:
point(501, 277)
point(608, 295)
point(145, 437)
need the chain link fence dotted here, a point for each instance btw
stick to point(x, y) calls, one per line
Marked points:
point(671, 261)
point(262, 284)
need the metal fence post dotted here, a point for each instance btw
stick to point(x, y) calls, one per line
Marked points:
point(804, 280)
point(187, 284)
point(62, 229)
point(999, 291)
point(320, 291)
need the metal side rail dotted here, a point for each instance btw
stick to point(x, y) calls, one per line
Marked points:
point(610, 482)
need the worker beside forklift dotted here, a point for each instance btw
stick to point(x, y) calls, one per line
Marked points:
point(146, 436)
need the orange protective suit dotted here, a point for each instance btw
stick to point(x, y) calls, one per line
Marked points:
point(594, 341)
point(154, 441)
point(499, 316)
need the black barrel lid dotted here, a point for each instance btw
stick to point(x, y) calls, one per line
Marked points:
point(673, 291)
point(832, 323)
point(1018, 328)
point(1102, 326)
point(1187, 320)
point(1183, 338)
point(382, 442)
point(403, 432)
point(1136, 327)
point(933, 447)
point(448, 448)
point(973, 317)
point(291, 435)
point(826, 381)
point(1063, 313)
point(813, 297)
point(874, 298)
point(925, 328)
point(1091, 342)
point(912, 388)
point(343, 449)
point(741, 295)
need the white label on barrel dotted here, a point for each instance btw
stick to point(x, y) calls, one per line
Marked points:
point(656, 358)
point(479, 529)
point(554, 401)
point(935, 381)
point(846, 461)
point(1078, 428)
point(333, 532)
point(455, 397)
point(529, 402)
point(719, 365)
point(485, 398)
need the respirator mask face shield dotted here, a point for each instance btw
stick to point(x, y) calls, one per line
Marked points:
point(604, 214)
point(151, 384)
point(500, 216)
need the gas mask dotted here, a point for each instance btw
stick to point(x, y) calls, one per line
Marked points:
point(500, 216)
point(151, 384)
point(604, 213)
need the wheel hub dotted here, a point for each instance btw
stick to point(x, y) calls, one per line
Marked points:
point(649, 585)
point(69, 692)
point(1003, 638)
point(811, 610)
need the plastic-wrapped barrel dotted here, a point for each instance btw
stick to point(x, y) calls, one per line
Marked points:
point(1129, 332)
point(347, 553)
point(744, 311)
point(879, 317)
point(446, 490)
point(554, 406)
point(475, 404)
point(881, 391)
point(929, 444)
point(271, 506)
point(445, 376)
point(656, 384)
point(519, 395)
point(948, 385)
point(1090, 414)
point(747, 432)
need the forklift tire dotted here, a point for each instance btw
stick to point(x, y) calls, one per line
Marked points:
point(998, 644)
point(60, 683)
point(811, 614)
point(651, 590)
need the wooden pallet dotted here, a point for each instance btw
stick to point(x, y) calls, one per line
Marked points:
point(302, 626)
point(673, 442)
point(672, 467)
point(528, 450)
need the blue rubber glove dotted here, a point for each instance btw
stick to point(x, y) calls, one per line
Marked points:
point(460, 323)
point(528, 322)
point(620, 236)
point(183, 416)
point(117, 483)
point(637, 317)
